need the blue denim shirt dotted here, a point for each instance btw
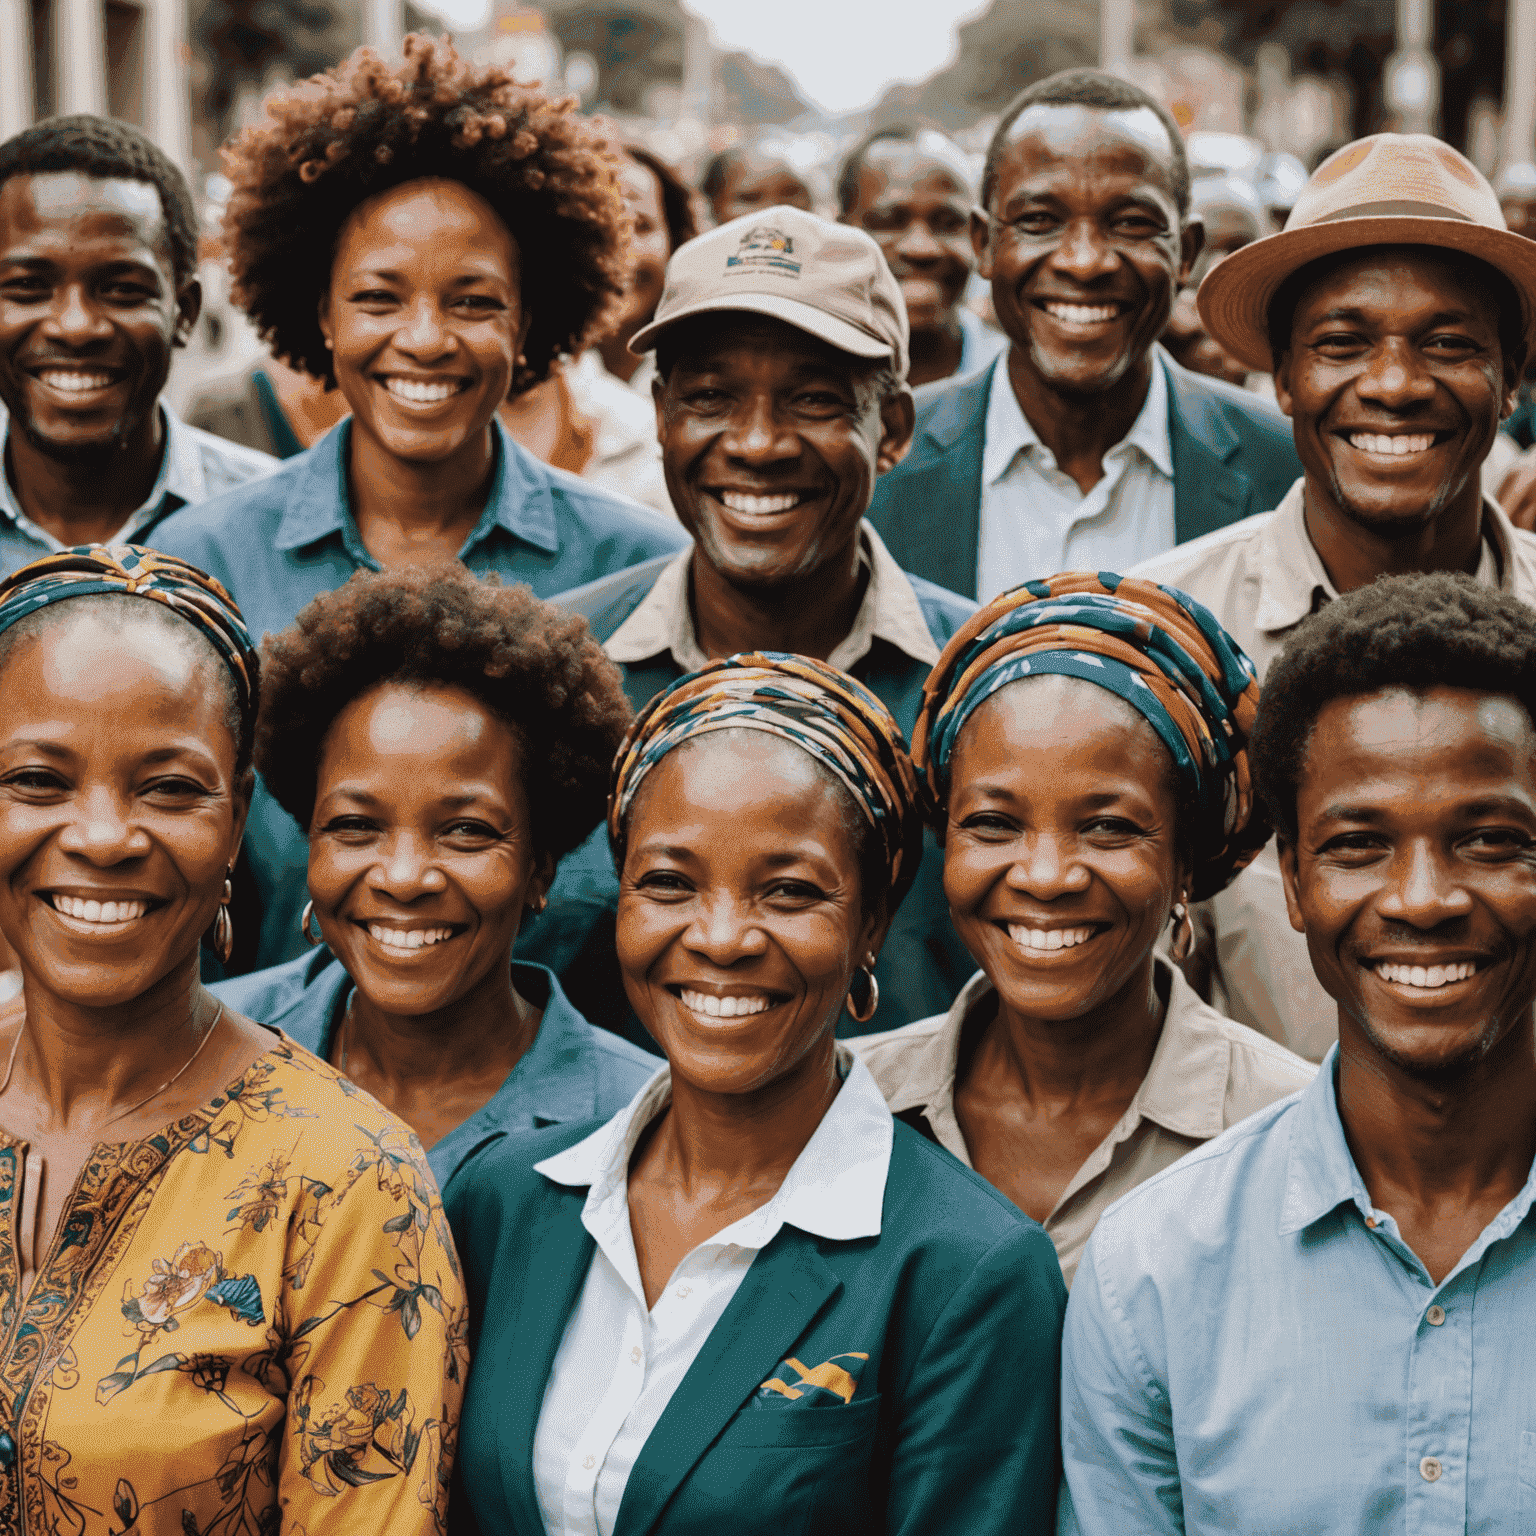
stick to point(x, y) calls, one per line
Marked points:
point(1250, 1346)
point(571, 1072)
point(281, 541)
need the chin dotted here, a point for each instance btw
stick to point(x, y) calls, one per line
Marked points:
point(1438, 1052)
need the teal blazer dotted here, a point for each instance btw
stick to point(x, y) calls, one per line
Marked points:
point(950, 1431)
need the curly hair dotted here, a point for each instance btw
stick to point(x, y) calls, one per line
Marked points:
point(1443, 630)
point(531, 665)
point(111, 151)
point(368, 126)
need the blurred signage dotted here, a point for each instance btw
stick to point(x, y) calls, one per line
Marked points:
point(522, 44)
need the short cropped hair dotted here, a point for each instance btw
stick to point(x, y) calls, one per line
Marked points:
point(366, 127)
point(1443, 630)
point(110, 151)
point(1088, 88)
point(853, 162)
point(531, 665)
point(676, 199)
point(1479, 275)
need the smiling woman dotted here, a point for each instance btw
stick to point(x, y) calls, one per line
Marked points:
point(753, 1297)
point(128, 694)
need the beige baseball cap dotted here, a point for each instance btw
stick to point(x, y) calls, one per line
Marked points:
point(827, 279)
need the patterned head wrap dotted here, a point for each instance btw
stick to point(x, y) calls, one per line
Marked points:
point(1156, 648)
point(824, 712)
point(92, 568)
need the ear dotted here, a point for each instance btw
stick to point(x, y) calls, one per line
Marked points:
point(1514, 368)
point(981, 242)
point(658, 399)
point(1191, 243)
point(323, 315)
point(898, 421)
point(242, 798)
point(1290, 878)
point(872, 934)
point(189, 305)
point(1282, 381)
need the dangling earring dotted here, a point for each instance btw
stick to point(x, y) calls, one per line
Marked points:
point(538, 903)
point(316, 937)
point(224, 924)
point(1184, 931)
point(867, 1012)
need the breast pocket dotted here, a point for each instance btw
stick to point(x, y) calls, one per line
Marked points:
point(804, 1428)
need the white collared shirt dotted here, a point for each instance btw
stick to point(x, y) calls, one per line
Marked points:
point(662, 623)
point(619, 1363)
point(1035, 521)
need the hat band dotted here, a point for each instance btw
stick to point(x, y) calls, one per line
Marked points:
point(1395, 210)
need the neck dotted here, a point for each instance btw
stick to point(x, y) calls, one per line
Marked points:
point(935, 352)
point(810, 616)
point(86, 501)
point(1434, 1138)
point(736, 1140)
point(1104, 1053)
point(81, 1056)
point(615, 353)
point(1079, 429)
point(492, 1022)
point(429, 500)
point(1354, 555)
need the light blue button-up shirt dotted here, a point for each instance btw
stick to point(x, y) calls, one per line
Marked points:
point(1251, 1347)
point(279, 542)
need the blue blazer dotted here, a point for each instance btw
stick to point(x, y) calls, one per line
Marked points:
point(1233, 455)
point(951, 1431)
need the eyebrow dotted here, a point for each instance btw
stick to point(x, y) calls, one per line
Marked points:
point(1440, 317)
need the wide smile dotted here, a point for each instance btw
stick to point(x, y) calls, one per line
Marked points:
point(75, 384)
point(1083, 319)
point(760, 504)
point(420, 397)
point(1044, 943)
point(1442, 981)
point(713, 1006)
point(401, 941)
point(1383, 448)
point(97, 918)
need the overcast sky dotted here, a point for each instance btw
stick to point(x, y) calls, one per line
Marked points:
point(843, 52)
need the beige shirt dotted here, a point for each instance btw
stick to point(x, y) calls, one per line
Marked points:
point(1206, 1074)
point(890, 611)
point(1261, 577)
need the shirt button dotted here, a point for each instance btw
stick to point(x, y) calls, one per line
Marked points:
point(1435, 1316)
point(1430, 1469)
point(1370, 1221)
point(684, 1291)
point(634, 1354)
point(591, 1462)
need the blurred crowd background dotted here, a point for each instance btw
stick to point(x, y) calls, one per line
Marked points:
point(751, 105)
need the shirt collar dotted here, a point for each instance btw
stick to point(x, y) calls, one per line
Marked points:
point(1009, 433)
point(1184, 1090)
point(662, 623)
point(521, 500)
point(1293, 580)
point(834, 1189)
point(556, 1078)
point(179, 483)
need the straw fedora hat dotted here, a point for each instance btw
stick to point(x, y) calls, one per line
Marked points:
point(1389, 189)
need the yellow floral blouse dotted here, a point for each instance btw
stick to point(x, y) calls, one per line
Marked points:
point(250, 1323)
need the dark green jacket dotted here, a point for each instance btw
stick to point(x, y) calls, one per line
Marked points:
point(951, 1432)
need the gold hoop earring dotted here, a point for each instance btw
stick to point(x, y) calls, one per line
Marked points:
point(224, 926)
point(1184, 932)
point(309, 911)
point(873, 1000)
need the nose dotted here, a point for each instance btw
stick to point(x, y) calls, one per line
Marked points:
point(723, 930)
point(422, 335)
point(917, 243)
point(74, 320)
point(755, 435)
point(1422, 890)
point(406, 868)
point(104, 833)
point(1045, 868)
point(1395, 377)
point(1083, 253)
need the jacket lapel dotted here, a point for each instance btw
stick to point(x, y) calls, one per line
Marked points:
point(785, 1288)
point(560, 1253)
point(1207, 492)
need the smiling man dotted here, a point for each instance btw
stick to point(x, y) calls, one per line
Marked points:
point(1320, 1321)
point(781, 352)
point(1085, 446)
point(98, 287)
point(1396, 311)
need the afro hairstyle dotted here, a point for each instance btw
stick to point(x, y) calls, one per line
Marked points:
point(438, 625)
point(368, 126)
point(1443, 630)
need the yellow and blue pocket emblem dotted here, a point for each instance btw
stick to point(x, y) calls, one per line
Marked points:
point(826, 1385)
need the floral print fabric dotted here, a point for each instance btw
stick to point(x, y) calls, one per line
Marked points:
point(250, 1323)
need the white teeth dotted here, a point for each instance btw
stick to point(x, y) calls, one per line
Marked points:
point(1083, 314)
point(723, 1007)
point(1428, 977)
point(738, 501)
point(99, 911)
point(421, 393)
point(1394, 447)
point(407, 939)
point(72, 381)
point(1048, 938)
